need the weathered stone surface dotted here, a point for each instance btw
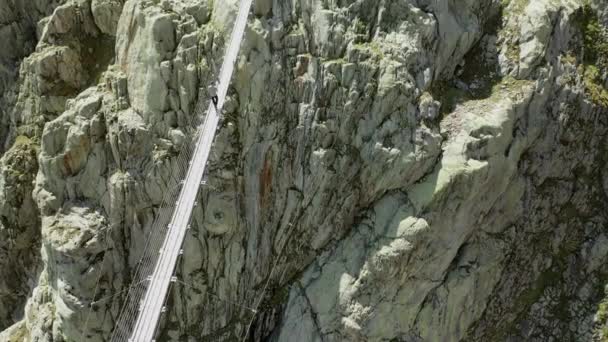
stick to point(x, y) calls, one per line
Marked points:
point(19, 34)
point(106, 14)
point(386, 170)
point(19, 229)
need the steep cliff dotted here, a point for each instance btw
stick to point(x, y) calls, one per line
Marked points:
point(398, 170)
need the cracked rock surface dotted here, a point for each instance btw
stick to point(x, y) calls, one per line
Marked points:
point(404, 170)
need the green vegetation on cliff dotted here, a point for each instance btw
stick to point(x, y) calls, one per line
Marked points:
point(595, 54)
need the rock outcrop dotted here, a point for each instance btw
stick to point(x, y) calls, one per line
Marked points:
point(386, 170)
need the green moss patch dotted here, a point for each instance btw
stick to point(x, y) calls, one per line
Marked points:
point(602, 318)
point(594, 63)
point(594, 85)
point(515, 6)
point(372, 50)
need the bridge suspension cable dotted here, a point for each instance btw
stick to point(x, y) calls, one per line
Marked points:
point(145, 302)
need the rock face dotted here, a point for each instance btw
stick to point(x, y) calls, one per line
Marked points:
point(386, 170)
point(19, 228)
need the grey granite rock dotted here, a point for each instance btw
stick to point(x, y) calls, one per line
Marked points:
point(386, 170)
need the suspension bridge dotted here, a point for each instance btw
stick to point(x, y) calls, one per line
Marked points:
point(146, 298)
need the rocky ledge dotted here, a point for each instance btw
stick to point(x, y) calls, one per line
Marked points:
point(407, 170)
